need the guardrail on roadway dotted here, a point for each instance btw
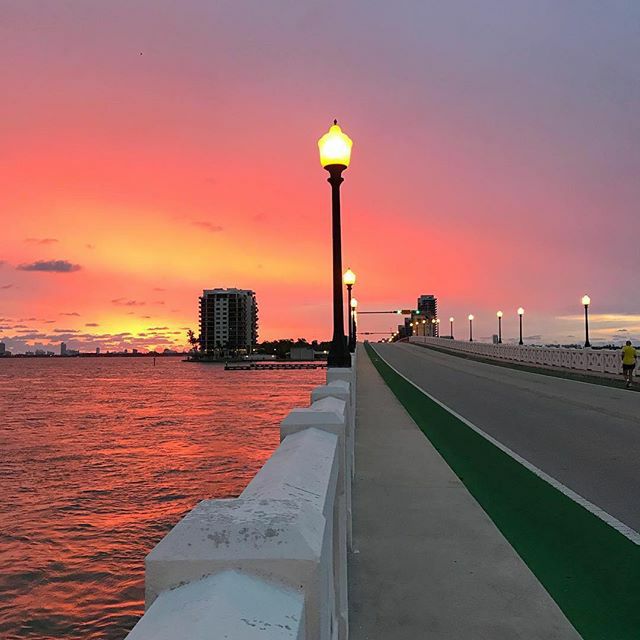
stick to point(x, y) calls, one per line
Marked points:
point(601, 360)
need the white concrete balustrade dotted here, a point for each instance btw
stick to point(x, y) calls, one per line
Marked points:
point(271, 563)
point(600, 360)
point(331, 414)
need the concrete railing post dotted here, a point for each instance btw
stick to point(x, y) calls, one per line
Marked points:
point(306, 468)
point(279, 540)
point(347, 375)
point(330, 414)
point(229, 604)
point(342, 390)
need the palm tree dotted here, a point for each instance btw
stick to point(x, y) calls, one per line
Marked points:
point(192, 340)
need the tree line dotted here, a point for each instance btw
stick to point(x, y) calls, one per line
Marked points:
point(278, 348)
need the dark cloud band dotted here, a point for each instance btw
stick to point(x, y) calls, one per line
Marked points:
point(53, 266)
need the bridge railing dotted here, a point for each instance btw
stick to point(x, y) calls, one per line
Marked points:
point(271, 563)
point(598, 360)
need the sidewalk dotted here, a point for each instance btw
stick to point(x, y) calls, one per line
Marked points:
point(428, 562)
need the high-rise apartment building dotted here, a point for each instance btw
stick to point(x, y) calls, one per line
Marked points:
point(3, 348)
point(428, 307)
point(228, 321)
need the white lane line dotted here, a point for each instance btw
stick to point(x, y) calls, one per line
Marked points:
point(612, 521)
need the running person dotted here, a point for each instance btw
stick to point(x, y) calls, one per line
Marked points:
point(629, 357)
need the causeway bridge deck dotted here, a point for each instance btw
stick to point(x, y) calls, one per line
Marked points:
point(455, 537)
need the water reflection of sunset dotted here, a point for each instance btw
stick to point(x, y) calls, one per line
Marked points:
point(100, 458)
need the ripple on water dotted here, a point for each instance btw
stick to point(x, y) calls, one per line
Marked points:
point(100, 458)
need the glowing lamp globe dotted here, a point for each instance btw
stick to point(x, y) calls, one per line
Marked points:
point(499, 314)
point(520, 311)
point(451, 319)
point(335, 147)
point(349, 278)
point(470, 316)
point(586, 300)
point(354, 303)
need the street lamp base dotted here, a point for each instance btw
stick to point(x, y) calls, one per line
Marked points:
point(339, 355)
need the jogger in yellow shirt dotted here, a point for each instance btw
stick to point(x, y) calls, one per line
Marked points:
point(629, 357)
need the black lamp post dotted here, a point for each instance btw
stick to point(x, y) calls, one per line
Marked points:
point(451, 326)
point(520, 313)
point(586, 301)
point(350, 328)
point(335, 153)
point(470, 328)
point(499, 314)
point(353, 306)
point(349, 279)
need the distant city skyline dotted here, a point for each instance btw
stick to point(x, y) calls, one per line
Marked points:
point(152, 152)
point(604, 329)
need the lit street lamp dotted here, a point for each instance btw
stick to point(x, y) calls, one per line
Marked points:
point(451, 326)
point(586, 301)
point(353, 304)
point(335, 154)
point(349, 278)
point(470, 327)
point(499, 314)
point(520, 313)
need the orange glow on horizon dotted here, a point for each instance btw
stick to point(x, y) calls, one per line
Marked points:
point(170, 172)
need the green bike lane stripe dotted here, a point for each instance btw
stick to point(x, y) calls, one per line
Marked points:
point(589, 568)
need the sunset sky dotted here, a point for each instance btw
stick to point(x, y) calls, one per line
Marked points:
point(151, 149)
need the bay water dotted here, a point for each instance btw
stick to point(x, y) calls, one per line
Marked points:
point(99, 458)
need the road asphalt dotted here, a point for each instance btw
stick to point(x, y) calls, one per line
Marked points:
point(584, 435)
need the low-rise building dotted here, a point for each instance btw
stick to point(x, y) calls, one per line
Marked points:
point(302, 353)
